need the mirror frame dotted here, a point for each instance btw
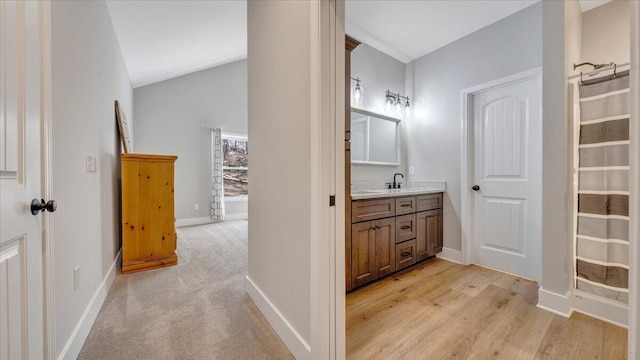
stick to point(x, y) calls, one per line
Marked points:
point(398, 138)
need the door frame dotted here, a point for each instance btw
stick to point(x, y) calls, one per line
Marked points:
point(327, 117)
point(634, 188)
point(46, 159)
point(467, 156)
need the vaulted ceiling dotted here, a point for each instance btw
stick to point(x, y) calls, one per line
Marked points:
point(165, 39)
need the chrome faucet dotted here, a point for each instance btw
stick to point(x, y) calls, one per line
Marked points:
point(395, 184)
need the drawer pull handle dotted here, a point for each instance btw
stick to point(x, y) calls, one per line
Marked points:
point(405, 254)
point(405, 227)
point(405, 205)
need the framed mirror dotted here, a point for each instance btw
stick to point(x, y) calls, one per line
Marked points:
point(375, 138)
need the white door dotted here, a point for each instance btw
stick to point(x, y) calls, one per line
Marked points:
point(507, 175)
point(21, 236)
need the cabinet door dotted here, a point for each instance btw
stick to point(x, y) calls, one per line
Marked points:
point(429, 233)
point(385, 247)
point(363, 260)
point(434, 232)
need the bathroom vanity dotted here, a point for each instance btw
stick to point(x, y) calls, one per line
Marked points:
point(391, 230)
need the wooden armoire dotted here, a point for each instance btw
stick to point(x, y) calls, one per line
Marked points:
point(149, 238)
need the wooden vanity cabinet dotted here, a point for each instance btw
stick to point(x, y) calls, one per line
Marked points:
point(390, 234)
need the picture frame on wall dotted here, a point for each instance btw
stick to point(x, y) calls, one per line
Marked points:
point(123, 129)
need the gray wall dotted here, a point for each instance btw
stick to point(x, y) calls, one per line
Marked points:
point(88, 75)
point(171, 117)
point(509, 46)
point(280, 206)
point(556, 255)
point(605, 33)
point(379, 72)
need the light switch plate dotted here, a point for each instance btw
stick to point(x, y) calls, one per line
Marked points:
point(412, 170)
point(92, 163)
point(76, 278)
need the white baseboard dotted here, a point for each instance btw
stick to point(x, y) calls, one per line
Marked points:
point(555, 303)
point(208, 220)
point(450, 255)
point(296, 344)
point(236, 217)
point(73, 346)
point(194, 221)
point(600, 308)
point(597, 307)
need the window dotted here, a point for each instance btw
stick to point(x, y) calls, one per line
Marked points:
point(235, 165)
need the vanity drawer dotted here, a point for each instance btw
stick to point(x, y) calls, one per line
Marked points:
point(405, 205)
point(363, 210)
point(429, 202)
point(405, 254)
point(405, 227)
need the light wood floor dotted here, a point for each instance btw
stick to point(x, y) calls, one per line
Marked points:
point(442, 310)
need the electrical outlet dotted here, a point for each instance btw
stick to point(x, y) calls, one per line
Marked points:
point(196, 206)
point(76, 278)
point(412, 170)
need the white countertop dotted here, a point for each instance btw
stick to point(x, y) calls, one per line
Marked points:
point(374, 194)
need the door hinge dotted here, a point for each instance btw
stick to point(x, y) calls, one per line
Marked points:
point(332, 200)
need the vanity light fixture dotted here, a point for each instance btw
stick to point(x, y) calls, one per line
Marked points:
point(394, 100)
point(357, 93)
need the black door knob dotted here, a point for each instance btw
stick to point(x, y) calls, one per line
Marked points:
point(475, 188)
point(40, 205)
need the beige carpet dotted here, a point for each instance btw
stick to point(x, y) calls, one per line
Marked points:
point(195, 310)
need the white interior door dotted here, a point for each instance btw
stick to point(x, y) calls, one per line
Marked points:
point(507, 178)
point(21, 238)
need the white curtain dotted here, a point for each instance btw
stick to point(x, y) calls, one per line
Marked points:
point(217, 190)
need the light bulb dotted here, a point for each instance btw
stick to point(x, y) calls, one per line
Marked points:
point(407, 107)
point(357, 93)
point(388, 102)
point(398, 106)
